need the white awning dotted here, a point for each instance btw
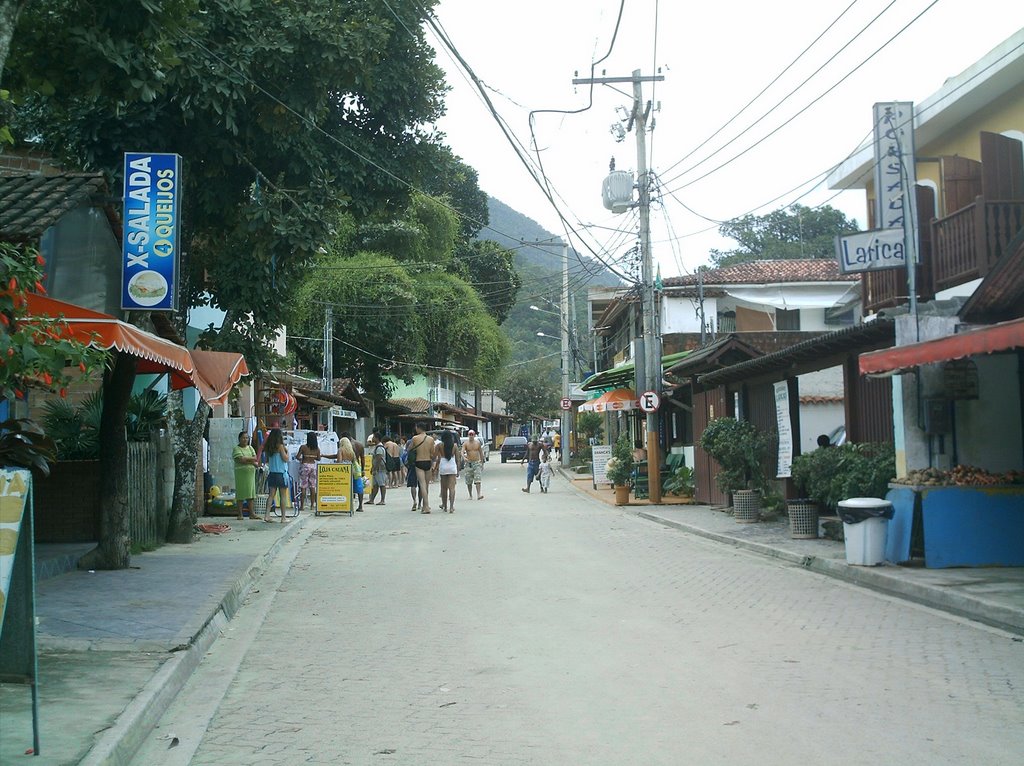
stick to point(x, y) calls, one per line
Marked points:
point(790, 296)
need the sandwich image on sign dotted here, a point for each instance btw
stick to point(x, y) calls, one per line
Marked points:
point(147, 288)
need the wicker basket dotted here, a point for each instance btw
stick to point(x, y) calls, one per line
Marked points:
point(746, 504)
point(803, 519)
point(259, 505)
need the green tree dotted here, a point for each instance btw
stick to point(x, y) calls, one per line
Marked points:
point(286, 114)
point(368, 293)
point(490, 269)
point(529, 390)
point(794, 232)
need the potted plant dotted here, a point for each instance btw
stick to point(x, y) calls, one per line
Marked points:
point(740, 450)
point(830, 474)
point(619, 469)
point(681, 483)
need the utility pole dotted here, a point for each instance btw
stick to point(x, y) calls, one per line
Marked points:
point(566, 425)
point(328, 348)
point(652, 348)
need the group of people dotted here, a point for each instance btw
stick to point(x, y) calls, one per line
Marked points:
point(444, 459)
point(422, 457)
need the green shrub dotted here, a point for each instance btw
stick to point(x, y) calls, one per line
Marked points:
point(680, 482)
point(620, 465)
point(830, 474)
point(740, 449)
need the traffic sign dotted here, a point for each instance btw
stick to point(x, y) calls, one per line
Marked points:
point(566, 403)
point(650, 401)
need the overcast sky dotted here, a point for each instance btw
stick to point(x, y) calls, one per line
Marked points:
point(715, 57)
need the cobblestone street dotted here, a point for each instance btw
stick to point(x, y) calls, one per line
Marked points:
point(550, 629)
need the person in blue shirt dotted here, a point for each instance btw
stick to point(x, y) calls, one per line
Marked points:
point(277, 462)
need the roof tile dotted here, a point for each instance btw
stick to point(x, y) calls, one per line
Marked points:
point(769, 272)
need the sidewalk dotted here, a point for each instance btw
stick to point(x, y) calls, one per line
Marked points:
point(992, 595)
point(116, 647)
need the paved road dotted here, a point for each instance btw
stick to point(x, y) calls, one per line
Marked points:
point(549, 629)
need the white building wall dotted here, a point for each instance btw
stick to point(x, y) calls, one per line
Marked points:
point(813, 319)
point(680, 314)
point(818, 419)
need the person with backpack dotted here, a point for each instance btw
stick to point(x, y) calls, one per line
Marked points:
point(378, 467)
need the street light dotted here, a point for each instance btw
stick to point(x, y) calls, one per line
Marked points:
point(545, 311)
point(544, 335)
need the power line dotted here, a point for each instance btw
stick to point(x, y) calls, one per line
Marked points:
point(805, 108)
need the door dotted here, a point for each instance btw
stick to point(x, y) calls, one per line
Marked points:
point(1002, 159)
point(961, 183)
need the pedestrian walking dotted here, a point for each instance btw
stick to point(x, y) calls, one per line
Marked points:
point(473, 464)
point(534, 450)
point(244, 458)
point(421, 447)
point(411, 481)
point(378, 468)
point(394, 461)
point(449, 458)
point(308, 456)
point(546, 472)
point(347, 456)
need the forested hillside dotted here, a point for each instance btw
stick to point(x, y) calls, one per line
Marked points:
point(541, 271)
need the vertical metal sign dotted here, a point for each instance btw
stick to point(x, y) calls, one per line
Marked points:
point(150, 244)
point(895, 178)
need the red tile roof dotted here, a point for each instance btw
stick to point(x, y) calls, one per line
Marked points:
point(769, 272)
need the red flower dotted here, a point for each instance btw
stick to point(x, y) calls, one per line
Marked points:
point(40, 260)
point(47, 378)
point(63, 393)
point(12, 285)
point(81, 366)
point(40, 289)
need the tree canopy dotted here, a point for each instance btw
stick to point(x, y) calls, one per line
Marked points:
point(285, 113)
point(793, 232)
point(529, 390)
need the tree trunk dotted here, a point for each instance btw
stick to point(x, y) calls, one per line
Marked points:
point(9, 10)
point(114, 548)
point(186, 438)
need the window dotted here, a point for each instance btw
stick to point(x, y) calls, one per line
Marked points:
point(787, 319)
point(840, 319)
point(727, 321)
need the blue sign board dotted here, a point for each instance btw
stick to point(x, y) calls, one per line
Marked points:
point(152, 210)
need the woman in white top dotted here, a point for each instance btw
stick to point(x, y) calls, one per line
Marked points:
point(446, 460)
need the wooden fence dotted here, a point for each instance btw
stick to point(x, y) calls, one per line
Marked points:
point(147, 507)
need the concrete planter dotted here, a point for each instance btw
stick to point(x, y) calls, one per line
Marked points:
point(622, 494)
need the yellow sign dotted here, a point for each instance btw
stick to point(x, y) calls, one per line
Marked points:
point(334, 488)
point(367, 474)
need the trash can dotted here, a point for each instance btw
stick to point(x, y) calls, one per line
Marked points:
point(865, 524)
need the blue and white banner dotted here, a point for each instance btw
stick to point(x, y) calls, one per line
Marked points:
point(152, 202)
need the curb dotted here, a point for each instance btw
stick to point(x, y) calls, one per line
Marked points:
point(119, 743)
point(877, 579)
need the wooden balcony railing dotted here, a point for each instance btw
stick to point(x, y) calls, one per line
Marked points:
point(955, 249)
point(968, 242)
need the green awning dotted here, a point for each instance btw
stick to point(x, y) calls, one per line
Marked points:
point(625, 375)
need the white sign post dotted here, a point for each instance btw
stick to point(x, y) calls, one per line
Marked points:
point(785, 429)
point(600, 455)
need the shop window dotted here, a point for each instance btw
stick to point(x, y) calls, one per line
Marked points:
point(787, 319)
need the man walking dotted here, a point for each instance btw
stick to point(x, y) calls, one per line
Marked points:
point(421, 449)
point(394, 460)
point(534, 450)
point(357, 447)
point(473, 464)
point(378, 467)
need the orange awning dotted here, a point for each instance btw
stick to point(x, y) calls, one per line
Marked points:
point(213, 373)
point(613, 401)
point(986, 340)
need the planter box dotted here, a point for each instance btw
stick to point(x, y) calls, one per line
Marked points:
point(962, 526)
point(67, 502)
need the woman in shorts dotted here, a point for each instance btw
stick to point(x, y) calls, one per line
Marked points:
point(277, 480)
